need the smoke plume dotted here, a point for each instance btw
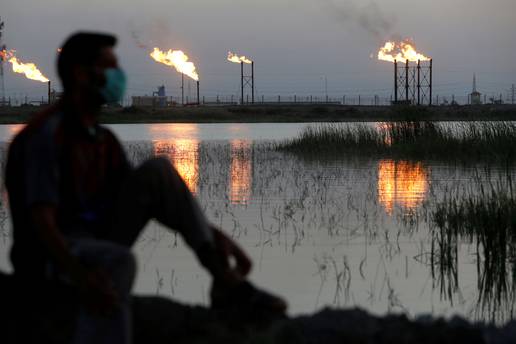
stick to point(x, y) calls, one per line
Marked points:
point(369, 17)
point(152, 33)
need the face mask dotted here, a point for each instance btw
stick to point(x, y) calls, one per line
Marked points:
point(114, 88)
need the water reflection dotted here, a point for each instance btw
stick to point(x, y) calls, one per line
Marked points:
point(401, 183)
point(184, 155)
point(240, 172)
point(337, 215)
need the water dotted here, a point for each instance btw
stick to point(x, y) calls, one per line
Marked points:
point(345, 233)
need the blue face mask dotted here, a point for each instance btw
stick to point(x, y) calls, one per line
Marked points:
point(114, 89)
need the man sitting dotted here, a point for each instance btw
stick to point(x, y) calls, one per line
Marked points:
point(77, 205)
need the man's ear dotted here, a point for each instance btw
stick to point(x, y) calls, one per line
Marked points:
point(80, 75)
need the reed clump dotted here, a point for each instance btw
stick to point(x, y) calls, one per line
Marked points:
point(487, 219)
point(466, 142)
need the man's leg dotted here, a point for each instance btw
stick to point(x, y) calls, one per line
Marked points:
point(155, 190)
point(120, 265)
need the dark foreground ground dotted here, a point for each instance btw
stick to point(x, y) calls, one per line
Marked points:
point(28, 317)
point(287, 113)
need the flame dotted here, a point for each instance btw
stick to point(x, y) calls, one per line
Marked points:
point(400, 51)
point(240, 172)
point(238, 59)
point(29, 69)
point(401, 183)
point(176, 59)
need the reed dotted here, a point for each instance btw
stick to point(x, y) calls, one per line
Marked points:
point(463, 142)
point(488, 219)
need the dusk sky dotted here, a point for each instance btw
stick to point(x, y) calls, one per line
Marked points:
point(295, 43)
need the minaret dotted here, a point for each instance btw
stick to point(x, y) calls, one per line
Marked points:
point(474, 97)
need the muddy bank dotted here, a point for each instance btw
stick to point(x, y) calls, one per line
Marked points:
point(31, 314)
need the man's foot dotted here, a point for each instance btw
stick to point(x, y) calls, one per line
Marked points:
point(246, 298)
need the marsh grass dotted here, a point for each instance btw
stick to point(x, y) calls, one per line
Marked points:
point(463, 142)
point(487, 219)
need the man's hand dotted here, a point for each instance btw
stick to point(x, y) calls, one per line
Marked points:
point(232, 252)
point(231, 290)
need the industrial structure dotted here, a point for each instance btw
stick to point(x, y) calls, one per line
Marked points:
point(475, 97)
point(246, 81)
point(53, 95)
point(158, 99)
point(183, 91)
point(413, 83)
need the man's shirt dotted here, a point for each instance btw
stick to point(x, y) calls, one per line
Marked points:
point(57, 162)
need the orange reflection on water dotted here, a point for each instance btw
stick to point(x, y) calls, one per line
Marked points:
point(184, 155)
point(240, 172)
point(401, 183)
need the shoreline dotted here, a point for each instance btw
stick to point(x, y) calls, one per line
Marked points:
point(282, 113)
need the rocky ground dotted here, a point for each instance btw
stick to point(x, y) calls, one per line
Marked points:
point(33, 314)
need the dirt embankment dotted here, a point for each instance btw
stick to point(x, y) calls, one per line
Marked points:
point(286, 113)
point(35, 314)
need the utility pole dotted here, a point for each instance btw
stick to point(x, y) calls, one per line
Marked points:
point(3, 50)
point(395, 82)
point(242, 82)
point(325, 87)
point(252, 82)
point(182, 89)
point(407, 81)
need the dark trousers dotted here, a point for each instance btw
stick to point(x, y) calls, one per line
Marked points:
point(152, 191)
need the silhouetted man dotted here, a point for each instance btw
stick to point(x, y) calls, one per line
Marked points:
point(78, 206)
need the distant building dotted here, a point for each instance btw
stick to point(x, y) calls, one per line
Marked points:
point(158, 99)
point(475, 97)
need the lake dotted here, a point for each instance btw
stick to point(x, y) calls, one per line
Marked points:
point(350, 232)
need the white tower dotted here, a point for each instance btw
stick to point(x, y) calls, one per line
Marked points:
point(475, 96)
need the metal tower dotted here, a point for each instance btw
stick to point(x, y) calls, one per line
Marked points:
point(413, 82)
point(246, 81)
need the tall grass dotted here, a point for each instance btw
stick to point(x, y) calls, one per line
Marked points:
point(487, 218)
point(486, 141)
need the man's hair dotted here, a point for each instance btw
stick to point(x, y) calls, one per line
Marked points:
point(82, 48)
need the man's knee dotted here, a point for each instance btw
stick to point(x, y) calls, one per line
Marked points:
point(157, 164)
point(159, 169)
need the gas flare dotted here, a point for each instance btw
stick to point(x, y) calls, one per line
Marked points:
point(400, 51)
point(29, 69)
point(238, 59)
point(176, 59)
